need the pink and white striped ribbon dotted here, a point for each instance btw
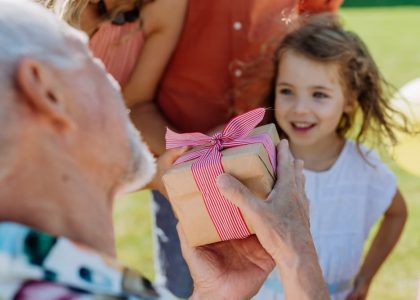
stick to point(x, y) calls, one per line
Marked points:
point(226, 217)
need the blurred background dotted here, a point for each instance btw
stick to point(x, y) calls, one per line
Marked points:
point(391, 30)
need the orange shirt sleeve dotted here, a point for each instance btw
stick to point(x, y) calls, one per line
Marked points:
point(318, 6)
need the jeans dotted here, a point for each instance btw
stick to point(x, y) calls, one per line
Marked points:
point(171, 269)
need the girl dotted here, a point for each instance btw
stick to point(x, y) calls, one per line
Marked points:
point(134, 38)
point(325, 76)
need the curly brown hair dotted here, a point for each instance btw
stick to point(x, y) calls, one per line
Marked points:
point(322, 38)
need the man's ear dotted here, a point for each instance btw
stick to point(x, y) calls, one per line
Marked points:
point(41, 91)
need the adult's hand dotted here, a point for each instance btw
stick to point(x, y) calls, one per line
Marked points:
point(231, 270)
point(282, 226)
point(284, 214)
point(237, 269)
point(163, 164)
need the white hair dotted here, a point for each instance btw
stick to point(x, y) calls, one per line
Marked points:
point(29, 30)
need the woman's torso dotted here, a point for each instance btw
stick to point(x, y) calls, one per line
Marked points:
point(118, 46)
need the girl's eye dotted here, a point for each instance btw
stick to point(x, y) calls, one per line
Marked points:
point(319, 95)
point(285, 91)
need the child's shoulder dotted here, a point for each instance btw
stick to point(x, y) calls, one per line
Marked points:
point(361, 155)
point(366, 161)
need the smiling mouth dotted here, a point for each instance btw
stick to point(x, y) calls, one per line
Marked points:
point(302, 126)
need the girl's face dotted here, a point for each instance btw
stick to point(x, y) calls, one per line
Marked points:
point(91, 17)
point(310, 99)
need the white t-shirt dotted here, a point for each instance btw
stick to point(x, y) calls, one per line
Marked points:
point(345, 202)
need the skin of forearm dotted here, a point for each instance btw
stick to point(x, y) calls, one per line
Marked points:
point(149, 121)
point(385, 240)
point(300, 272)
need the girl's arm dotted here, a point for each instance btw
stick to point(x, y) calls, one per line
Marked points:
point(163, 21)
point(385, 240)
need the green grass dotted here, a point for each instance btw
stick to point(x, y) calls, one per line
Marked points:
point(392, 37)
point(372, 3)
point(132, 216)
point(392, 34)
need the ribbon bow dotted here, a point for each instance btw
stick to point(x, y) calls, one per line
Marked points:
point(226, 217)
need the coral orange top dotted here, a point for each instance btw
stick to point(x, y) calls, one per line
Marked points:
point(316, 6)
point(220, 66)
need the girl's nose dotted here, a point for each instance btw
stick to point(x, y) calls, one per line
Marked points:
point(301, 106)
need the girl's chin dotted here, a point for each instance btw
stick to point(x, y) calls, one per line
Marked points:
point(301, 138)
point(313, 141)
point(299, 143)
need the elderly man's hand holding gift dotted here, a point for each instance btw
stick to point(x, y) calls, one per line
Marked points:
point(237, 267)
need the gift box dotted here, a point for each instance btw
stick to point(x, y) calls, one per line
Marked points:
point(251, 162)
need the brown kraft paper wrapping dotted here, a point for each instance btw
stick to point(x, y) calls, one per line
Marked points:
point(250, 164)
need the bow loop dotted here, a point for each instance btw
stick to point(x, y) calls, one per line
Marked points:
point(242, 125)
point(176, 140)
point(227, 218)
point(238, 127)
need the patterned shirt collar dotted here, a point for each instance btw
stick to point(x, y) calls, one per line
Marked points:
point(35, 262)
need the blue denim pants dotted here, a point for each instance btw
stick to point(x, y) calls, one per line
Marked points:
point(171, 270)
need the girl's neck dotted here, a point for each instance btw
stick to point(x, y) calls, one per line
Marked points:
point(320, 156)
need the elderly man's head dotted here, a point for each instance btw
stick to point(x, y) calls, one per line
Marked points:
point(59, 108)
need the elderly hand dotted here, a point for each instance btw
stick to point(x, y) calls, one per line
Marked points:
point(237, 269)
point(281, 224)
point(231, 270)
point(284, 214)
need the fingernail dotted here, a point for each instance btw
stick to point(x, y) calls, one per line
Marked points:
point(284, 142)
point(300, 163)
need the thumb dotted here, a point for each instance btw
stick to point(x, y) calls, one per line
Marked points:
point(168, 158)
point(238, 194)
point(173, 154)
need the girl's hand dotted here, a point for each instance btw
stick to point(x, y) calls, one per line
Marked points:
point(163, 164)
point(385, 240)
point(360, 289)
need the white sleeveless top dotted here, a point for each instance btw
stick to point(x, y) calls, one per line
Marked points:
point(345, 202)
